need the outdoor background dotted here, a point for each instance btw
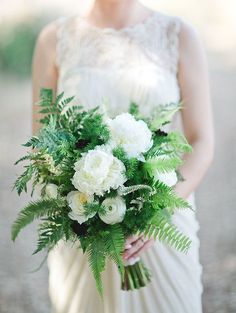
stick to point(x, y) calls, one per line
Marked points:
point(20, 22)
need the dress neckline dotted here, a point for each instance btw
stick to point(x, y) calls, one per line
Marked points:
point(134, 27)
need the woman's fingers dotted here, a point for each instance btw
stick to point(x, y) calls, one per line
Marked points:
point(131, 239)
point(135, 246)
point(147, 244)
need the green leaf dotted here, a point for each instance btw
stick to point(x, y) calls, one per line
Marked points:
point(32, 142)
point(96, 258)
point(161, 228)
point(22, 181)
point(114, 244)
point(50, 232)
point(167, 198)
point(35, 210)
point(179, 143)
point(161, 165)
point(134, 109)
point(163, 114)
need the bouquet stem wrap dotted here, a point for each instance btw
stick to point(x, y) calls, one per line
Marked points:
point(135, 276)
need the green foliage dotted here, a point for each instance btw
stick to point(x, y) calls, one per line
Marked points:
point(96, 258)
point(93, 129)
point(163, 114)
point(94, 207)
point(134, 109)
point(52, 230)
point(106, 243)
point(131, 164)
point(35, 210)
point(165, 197)
point(22, 181)
point(172, 144)
point(114, 244)
point(161, 228)
point(178, 143)
point(161, 165)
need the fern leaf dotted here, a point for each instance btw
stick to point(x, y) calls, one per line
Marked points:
point(162, 165)
point(49, 234)
point(34, 210)
point(114, 244)
point(163, 114)
point(96, 258)
point(167, 198)
point(161, 228)
point(22, 181)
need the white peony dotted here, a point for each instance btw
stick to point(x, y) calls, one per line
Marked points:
point(115, 210)
point(133, 136)
point(170, 178)
point(51, 191)
point(76, 201)
point(97, 172)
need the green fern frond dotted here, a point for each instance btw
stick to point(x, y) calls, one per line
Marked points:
point(160, 228)
point(114, 243)
point(96, 259)
point(35, 210)
point(179, 143)
point(52, 230)
point(22, 181)
point(163, 114)
point(49, 234)
point(167, 198)
point(32, 142)
point(131, 164)
point(161, 165)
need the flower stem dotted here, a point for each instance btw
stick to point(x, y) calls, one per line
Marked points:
point(135, 276)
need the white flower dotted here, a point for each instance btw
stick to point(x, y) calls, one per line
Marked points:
point(76, 201)
point(52, 168)
point(133, 136)
point(170, 178)
point(97, 172)
point(51, 191)
point(115, 210)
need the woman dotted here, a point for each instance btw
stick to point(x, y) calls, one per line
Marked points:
point(122, 51)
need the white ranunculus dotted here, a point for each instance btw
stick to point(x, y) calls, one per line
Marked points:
point(76, 201)
point(170, 178)
point(97, 172)
point(133, 136)
point(51, 191)
point(115, 210)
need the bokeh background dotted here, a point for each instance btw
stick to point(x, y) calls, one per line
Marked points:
point(20, 23)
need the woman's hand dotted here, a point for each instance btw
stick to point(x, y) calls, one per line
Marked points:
point(134, 246)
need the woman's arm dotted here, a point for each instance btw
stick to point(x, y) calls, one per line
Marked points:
point(197, 110)
point(44, 70)
point(197, 122)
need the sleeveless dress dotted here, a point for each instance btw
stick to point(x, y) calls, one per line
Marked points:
point(137, 63)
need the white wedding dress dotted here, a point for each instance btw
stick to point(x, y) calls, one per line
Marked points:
point(139, 64)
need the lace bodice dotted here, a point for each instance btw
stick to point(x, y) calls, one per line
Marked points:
point(137, 63)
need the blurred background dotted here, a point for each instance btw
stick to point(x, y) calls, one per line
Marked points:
point(20, 23)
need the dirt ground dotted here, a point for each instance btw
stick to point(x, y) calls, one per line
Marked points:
point(21, 291)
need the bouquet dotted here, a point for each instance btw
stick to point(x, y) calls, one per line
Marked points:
point(101, 180)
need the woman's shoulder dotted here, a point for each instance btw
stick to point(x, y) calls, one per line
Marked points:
point(181, 24)
point(47, 37)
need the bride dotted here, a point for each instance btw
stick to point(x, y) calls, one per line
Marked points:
point(122, 51)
